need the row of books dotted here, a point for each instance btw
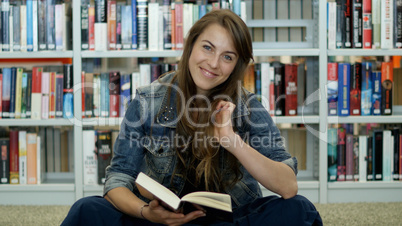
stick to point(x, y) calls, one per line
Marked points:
point(277, 86)
point(35, 25)
point(40, 93)
point(28, 154)
point(97, 154)
point(360, 88)
point(372, 157)
point(365, 24)
point(108, 94)
point(141, 25)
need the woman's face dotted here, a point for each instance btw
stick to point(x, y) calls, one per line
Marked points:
point(213, 58)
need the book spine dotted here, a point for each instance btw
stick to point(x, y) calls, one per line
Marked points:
point(125, 93)
point(332, 154)
point(45, 94)
point(59, 95)
point(340, 25)
point(400, 157)
point(5, 15)
point(5, 161)
point(100, 26)
point(36, 97)
point(83, 114)
point(42, 24)
point(155, 71)
point(366, 88)
point(377, 154)
point(362, 155)
point(52, 94)
point(14, 158)
point(135, 83)
point(22, 156)
point(265, 84)
point(50, 25)
point(59, 28)
point(153, 26)
point(376, 98)
point(118, 26)
point(347, 8)
point(18, 93)
point(6, 93)
point(355, 89)
point(387, 24)
point(24, 94)
point(104, 155)
point(395, 153)
point(126, 28)
point(145, 71)
point(398, 24)
point(343, 89)
point(291, 89)
point(84, 26)
point(179, 25)
point(142, 24)
point(386, 91)
point(114, 93)
point(89, 158)
point(341, 152)
point(370, 156)
point(68, 91)
point(1, 95)
point(257, 82)
point(357, 31)
point(134, 22)
point(356, 158)
point(13, 88)
point(31, 139)
point(167, 25)
point(173, 24)
point(279, 89)
point(111, 24)
point(376, 21)
point(16, 30)
point(349, 166)
point(387, 155)
point(91, 27)
point(96, 97)
point(331, 8)
point(89, 94)
point(332, 88)
point(35, 34)
point(29, 25)
point(104, 90)
point(367, 25)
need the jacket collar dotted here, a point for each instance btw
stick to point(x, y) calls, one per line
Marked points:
point(168, 116)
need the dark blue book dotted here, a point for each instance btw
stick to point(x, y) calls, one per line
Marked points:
point(367, 88)
point(5, 24)
point(257, 74)
point(344, 89)
point(13, 91)
point(376, 98)
point(104, 97)
point(125, 93)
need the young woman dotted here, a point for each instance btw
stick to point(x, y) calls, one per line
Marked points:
point(197, 129)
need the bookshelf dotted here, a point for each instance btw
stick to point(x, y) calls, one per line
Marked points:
point(65, 189)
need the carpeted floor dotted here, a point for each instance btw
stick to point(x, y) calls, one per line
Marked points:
point(332, 214)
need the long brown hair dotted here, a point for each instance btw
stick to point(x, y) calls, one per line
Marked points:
point(203, 157)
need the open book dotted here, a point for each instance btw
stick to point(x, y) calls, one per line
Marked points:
point(217, 206)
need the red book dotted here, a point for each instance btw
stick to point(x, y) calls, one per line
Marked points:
point(114, 94)
point(91, 27)
point(271, 91)
point(291, 89)
point(173, 26)
point(52, 95)
point(355, 89)
point(367, 25)
point(36, 96)
point(332, 84)
point(1, 93)
point(14, 158)
point(387, 78)
point(111, 24)
point(341, 151)
point(179, 25)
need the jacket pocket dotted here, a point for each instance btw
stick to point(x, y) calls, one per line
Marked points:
point(159, 154)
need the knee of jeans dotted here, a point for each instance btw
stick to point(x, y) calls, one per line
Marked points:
point(301, 201)
point(84, 203)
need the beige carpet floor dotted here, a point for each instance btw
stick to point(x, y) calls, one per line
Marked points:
point(332, 214)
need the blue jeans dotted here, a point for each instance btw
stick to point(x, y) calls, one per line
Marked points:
point(271, 210)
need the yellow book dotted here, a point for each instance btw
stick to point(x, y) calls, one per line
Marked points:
point(18, 93)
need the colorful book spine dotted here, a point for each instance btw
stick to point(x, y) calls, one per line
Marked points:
point(349, 166)
point(91, 27)
point(6, 93)
point(28, 99)
point(18, 93)
point(291, 89)
point(29, 25)
point(118, 25)
point(36, 97)
point(367, 25)
point(376, 21)
point(167, 23)
point(344, 89)
point(134, 34)
point(35, 34)
point(104, 90)
point(52, 94)
point(397, 24)
point(31, 140)
point(377, 154)
point(42, 25)
point(45, 94)
point(59, 27)
point(96, 98)
point(332, 87)
point(50, 25)
point(366, 88)
point(5, 161)
point(179, 25)
point(90, 169)
point(377, 90)
point(386, 90)
point(332, 154)
point(84, 25)
point(357, 31)
point(125, 93)
point(279, 88)
point(104, 154)
point(14, 158)
point(24, 94)
point(16, 32)
point(142, 24)
point(355, 89)
point(341, 154)
point(126, 28)
point(13, 91)
point(100, 27)
point(5, 15)
point(395, 153)
point(111, 24)
point(88, 94)
point(68, 91)
point(22, 156)
point(387, 39)
point(114, 93)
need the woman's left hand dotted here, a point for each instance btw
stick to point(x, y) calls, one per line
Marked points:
point(223, 128)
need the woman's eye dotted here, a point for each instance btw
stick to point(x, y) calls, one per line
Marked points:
point(207, 47)
point(227, 57)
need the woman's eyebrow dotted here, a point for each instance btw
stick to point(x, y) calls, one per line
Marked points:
point(213, 46)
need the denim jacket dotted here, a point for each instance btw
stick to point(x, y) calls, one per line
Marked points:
point(136, 150)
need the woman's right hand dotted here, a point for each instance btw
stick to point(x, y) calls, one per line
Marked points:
point(156, 213)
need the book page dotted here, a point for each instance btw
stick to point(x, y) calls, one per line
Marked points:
point(211, 199)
